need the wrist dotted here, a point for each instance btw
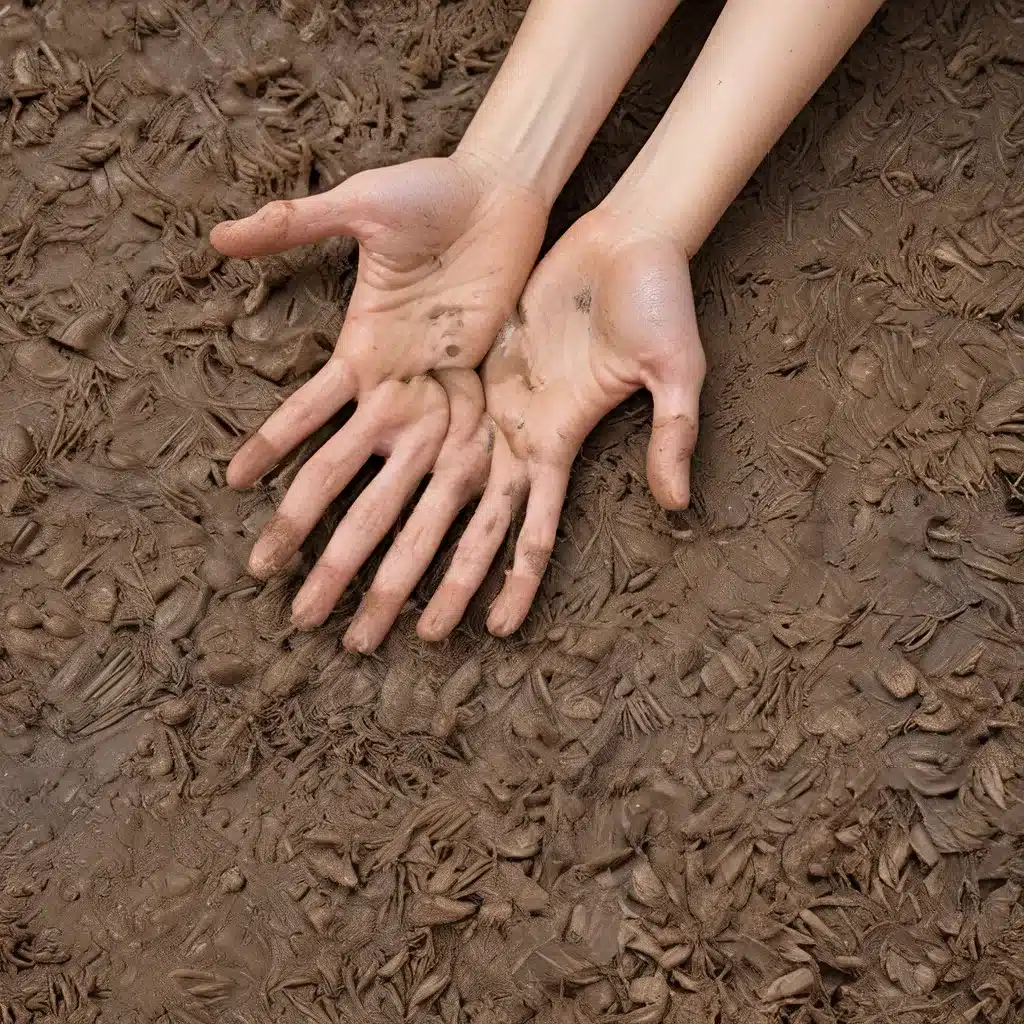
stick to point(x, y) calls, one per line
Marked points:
point(530, 147)
point(562, 75)
point(649, 209)
point(491, 178)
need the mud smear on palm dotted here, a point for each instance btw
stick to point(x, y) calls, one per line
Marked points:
point(757, 762)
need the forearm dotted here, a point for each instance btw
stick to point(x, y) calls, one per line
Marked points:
point(762, 62)
point(568, 63)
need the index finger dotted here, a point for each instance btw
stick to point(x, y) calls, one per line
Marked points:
point(320, 398)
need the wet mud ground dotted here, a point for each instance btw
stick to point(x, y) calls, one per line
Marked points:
point(761, 761)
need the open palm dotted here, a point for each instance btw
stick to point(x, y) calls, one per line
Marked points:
point(444, 251)
point(607, 311)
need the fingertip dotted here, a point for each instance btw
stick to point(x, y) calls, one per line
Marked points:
point(681, 494)
point(668, 460)
point(671, 489)
point(375, 615)
point(236, 477)
point(259, 567)
point(218, 231)
point(250, 462)
point(432, 626)
point(306, 612)
point(510, 607)
point(500, 626)
point(357, 641)
point(224, 237)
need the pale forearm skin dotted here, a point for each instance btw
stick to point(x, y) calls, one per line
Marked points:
point(761, 64)
point(569, 62)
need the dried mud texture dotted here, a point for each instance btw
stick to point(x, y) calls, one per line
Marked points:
point(760, 762)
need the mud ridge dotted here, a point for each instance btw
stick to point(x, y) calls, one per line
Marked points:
point(759, 762)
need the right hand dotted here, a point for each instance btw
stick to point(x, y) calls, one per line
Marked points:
point(609, 310)
point(444, 251)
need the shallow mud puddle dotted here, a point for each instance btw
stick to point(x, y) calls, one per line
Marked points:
point(759, 762)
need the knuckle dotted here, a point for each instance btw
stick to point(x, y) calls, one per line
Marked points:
point(279, 214)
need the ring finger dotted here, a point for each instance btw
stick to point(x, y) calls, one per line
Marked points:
point(502, 498)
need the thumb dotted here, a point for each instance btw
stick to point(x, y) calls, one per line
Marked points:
point(673, 438)
point(286, 223)
point(420, 206)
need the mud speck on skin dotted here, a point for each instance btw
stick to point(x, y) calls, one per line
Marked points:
point(759, 762)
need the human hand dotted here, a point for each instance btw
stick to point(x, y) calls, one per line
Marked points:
point(609, 310)
point(444, 250)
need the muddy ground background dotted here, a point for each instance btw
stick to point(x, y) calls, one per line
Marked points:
point(758, 762)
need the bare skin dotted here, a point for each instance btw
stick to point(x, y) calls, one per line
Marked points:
point(610, 308)
point(758, 68)
point(443, 253)
point(445, 247)
point(608, 311)
point(457, 477)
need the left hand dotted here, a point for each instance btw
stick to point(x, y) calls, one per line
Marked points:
point(609, 310)
point(444, 248)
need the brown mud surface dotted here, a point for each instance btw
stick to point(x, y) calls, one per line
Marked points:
point(760, 762)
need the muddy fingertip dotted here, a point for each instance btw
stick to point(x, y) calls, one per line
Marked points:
point(501, 622)
point(357, 640)
point(671, 490)
point(261, 567)
point(219, 231)
point(236, 478)
point(431, 627)
point(305, 614)
point(250, 462)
